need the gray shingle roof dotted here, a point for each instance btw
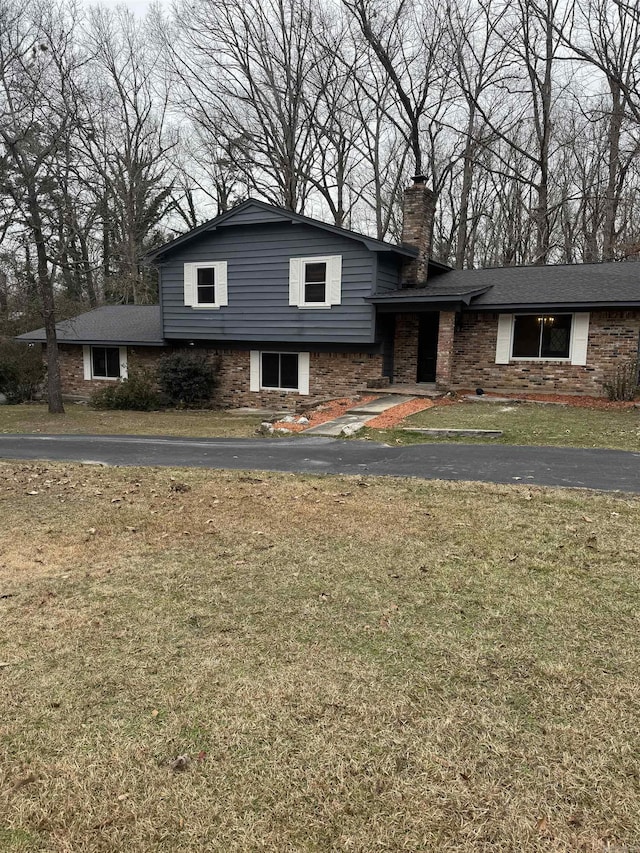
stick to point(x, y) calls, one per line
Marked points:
point(588, 285)
point(111, 324)
point(568, 286)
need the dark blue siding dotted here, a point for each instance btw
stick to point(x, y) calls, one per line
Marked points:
point(258, 287)
point(388, 277)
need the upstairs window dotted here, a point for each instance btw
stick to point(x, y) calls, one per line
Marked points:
point(205, 284)
point(542, 337)
point(315, 282)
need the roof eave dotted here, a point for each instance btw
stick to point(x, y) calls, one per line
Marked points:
point(114, 342)
point(557, 306)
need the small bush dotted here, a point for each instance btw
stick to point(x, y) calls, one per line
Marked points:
point(137, 392)
point(623, 383)
point(21, 371)
point(187, 378)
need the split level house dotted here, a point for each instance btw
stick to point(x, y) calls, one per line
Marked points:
point(285, 306)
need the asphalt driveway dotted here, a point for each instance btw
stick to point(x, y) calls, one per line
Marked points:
point(608, 470)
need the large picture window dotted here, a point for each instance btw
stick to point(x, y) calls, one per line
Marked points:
point(279, 370)
point(542, 336)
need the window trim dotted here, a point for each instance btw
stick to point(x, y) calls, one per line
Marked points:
point(191, 285)
point(255, 372)
point(87, 357)
point(333, 282)
point(578, 340)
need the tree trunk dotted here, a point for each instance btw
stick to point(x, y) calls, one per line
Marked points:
point(45, 288)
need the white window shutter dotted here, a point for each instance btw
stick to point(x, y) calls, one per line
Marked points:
point(221, 283)
point(86, 362)
point(295, 281)
point(190, 284)
point(334, 270)
point(254, 370)
point(503, 344)
point(579, 338)
point(124, 367)
point(303, 372)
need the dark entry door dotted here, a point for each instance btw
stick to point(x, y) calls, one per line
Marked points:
point(428, 346)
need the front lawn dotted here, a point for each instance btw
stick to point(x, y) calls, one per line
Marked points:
point(347, 664)
point(527, 423)
point(79, 418)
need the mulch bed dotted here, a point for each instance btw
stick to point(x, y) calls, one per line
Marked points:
point(328, 411)
point(567, 400)
point(392, 417)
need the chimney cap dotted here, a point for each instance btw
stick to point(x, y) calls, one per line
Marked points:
point(419, 179)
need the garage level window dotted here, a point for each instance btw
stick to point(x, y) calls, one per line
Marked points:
point(279, 370)
point(105, 362)
point(541, 336)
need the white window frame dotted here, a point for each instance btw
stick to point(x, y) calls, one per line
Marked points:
point(333, 286)
point(191, 285)
point(578, 339)
point(87, 358)
point(255, 372)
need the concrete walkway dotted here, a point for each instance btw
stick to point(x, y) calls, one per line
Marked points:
point(354, 419)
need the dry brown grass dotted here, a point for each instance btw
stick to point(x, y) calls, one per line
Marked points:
point(81, 419)
point(350, 665)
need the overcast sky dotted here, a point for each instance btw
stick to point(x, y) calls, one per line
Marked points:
point(138, 7)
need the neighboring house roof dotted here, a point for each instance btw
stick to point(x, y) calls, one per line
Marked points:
point(254, 212)
point(110, 324)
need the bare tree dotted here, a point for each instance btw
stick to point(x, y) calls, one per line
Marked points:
point(126, 139)
point(38, 108)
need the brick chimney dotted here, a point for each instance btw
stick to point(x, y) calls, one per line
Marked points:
point(417, 230)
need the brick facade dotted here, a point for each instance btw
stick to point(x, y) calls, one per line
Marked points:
point(466, 359)
point(72, 368)
point(405, 349)
point(446, 337)
point(613, 338)
point(331, 374)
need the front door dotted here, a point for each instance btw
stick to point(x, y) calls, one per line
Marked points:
point(428, 346)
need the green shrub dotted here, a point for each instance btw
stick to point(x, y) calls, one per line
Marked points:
point(137, 392)
point(623, 382)
point(21, 371)
point(187, 378)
